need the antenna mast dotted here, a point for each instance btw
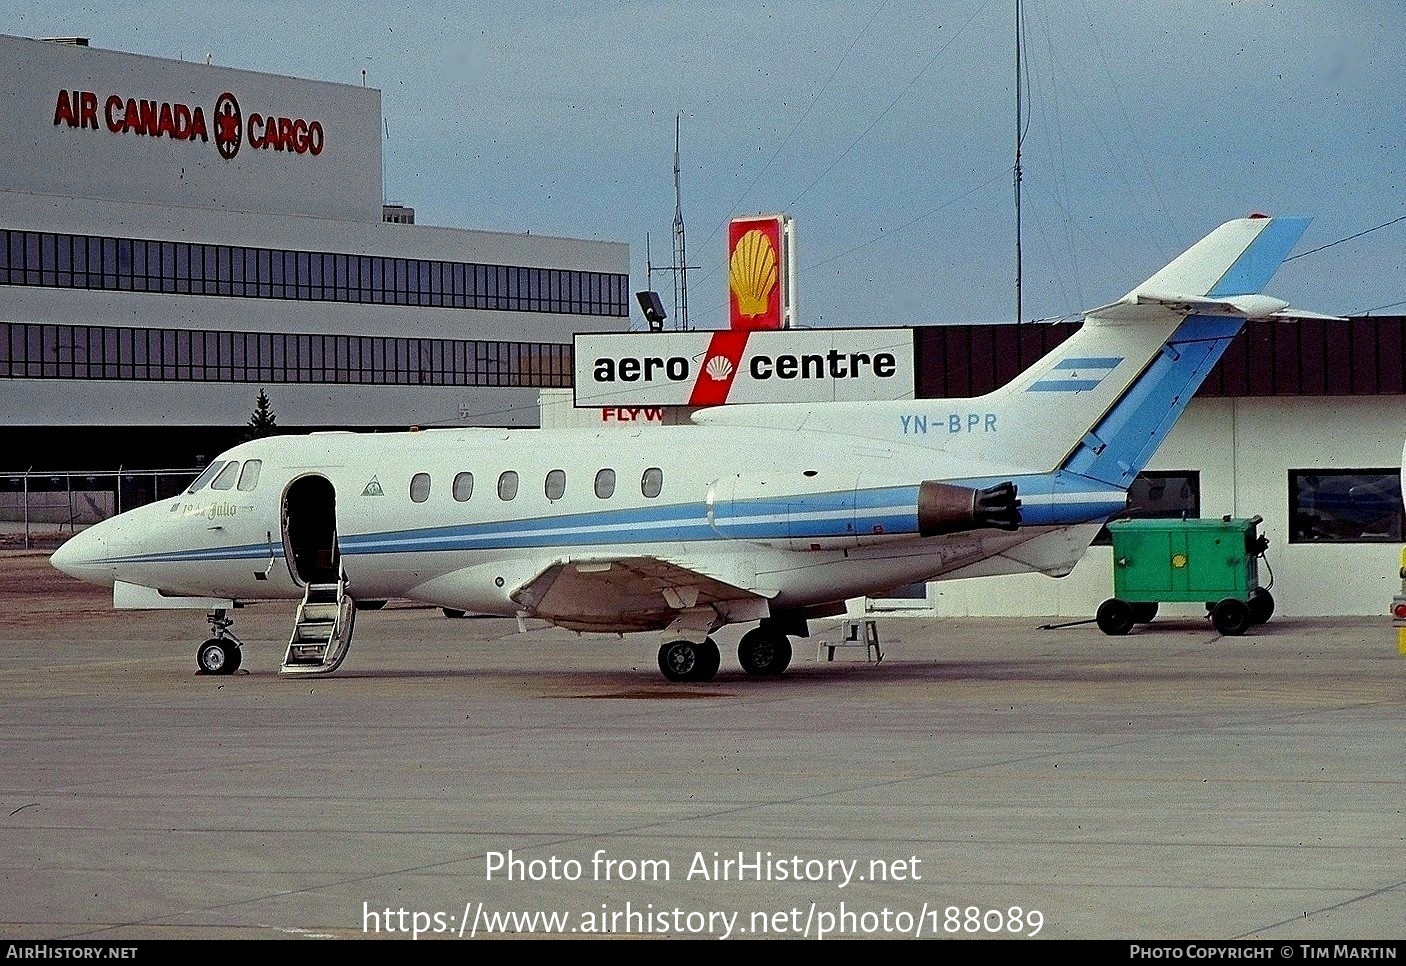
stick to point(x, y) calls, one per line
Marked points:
point(680, 243)
point(1019, 136)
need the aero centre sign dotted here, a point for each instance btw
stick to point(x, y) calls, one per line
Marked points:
point(742, 366)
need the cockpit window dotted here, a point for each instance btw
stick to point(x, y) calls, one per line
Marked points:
point(205, 477)
point(249, 477)
point(227, 476)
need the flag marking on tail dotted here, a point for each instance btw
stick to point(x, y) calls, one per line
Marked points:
point(1076, 375)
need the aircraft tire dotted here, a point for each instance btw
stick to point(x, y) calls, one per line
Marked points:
point(712, 660)
point(1261, 605)
point(1231, 617)
point(764, 654)
point(1115, 617)
point(218, 656)
point(689, 660)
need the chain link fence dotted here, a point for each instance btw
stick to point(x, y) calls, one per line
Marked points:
point(41, 508)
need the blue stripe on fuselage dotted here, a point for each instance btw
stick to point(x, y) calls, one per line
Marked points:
point(1050, 499)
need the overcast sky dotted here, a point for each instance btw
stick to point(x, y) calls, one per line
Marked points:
point(886, 128)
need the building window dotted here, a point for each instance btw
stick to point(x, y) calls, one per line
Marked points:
point(420, 487)
point(58, 260)
point(463, 486)
point(605, 484)
point(652, 483)
point(507, 486)
point(556, 484)
point(1159, 495)
point(77, 351)
point(1345, 506)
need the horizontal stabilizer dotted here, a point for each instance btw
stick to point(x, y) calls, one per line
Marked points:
point(1238, 258)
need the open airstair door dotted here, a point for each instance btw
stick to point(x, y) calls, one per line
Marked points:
point(322, 630)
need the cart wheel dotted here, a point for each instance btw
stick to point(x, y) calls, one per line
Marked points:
point(1144, 612)
point(1231, 617)
point(1261, 605)
point(1115, 617)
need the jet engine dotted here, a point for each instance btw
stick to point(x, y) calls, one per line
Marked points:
point(947, 508)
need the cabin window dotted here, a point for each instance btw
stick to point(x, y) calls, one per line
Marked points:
point(205, 477)
point(507, 485)
point(227, 476)
point(249, 476)
point(463, 486)
point(652, 483)
point(420, 487)
point(605, 484)
point(556, 484)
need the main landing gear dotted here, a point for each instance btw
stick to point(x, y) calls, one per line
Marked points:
point(764, 651)
point(223, 652)
point(689, 660)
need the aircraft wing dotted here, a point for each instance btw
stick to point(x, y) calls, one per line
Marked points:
point(642, 592)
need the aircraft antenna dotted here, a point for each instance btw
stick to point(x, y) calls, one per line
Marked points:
point(680, 242)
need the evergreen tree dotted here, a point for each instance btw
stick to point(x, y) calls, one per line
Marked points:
point(262, 421)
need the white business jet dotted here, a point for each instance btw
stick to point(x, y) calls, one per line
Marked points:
point(768, 513)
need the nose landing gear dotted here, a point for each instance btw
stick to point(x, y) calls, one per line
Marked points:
point(223, 653)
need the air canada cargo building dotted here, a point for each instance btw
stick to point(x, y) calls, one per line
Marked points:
point(176, 237)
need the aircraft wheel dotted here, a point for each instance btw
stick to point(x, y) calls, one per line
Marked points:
point(1261, 605)
point(712, 660)
point(689, 660)
point(764, 654)
point(1115, 617)
point(1144, 612)
point(370, 604)
point(1231, 617)
point(218, 656)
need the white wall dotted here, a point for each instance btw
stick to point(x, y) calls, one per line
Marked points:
point(1244, 449)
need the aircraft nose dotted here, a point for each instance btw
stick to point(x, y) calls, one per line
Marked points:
point(81, 554)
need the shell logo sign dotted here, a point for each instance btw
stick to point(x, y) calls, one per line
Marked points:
point(759, 251)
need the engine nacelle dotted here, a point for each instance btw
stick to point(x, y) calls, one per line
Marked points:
point(947, 508)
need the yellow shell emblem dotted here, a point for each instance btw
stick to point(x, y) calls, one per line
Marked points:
point(752, 272)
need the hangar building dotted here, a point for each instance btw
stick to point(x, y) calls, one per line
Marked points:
point(1301, 422)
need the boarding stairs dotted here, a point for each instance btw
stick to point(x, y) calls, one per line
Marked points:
point(322, 631)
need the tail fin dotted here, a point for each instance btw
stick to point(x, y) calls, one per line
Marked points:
point(1128, 373)
point(1100, 403)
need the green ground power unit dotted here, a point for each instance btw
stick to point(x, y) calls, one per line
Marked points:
point(1215, 562)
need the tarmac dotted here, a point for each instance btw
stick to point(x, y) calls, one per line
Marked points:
point(459, 779)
